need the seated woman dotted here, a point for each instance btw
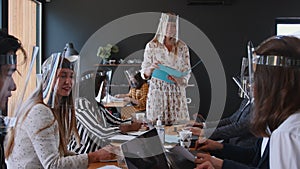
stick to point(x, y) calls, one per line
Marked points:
point(46, 122)
point(138, 92)
point(94, 122)
point(234, 129)
point(276, 113)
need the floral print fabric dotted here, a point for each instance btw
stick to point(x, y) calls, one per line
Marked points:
point(168, 100)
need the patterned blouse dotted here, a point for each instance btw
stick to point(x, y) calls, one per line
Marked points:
point(140, 95)
point(33, 149)
point(168, 100)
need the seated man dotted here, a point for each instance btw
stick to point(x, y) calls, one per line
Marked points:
point(94, 123)
point(9, 45)
point(234, 129)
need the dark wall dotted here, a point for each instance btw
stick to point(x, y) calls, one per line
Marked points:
point(228, 27)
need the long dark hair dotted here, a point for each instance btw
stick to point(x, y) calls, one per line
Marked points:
point(276, 88)
point(140, 81)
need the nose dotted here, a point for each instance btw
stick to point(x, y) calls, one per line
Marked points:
point(13, 85)
point(69, 80)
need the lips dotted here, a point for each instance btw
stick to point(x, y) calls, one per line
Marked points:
point(67, 88)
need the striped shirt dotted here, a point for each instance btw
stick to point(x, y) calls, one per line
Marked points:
point(95, 125)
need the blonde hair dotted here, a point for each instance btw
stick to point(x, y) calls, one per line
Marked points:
point(61, 115)
point(156, 37)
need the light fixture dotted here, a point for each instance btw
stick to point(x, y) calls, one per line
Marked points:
point(70, 53)
point(69, 50)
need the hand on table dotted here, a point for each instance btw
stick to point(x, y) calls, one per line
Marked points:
point(134, 126)
point(194, 124)
point(205, 165)
point(105, 153)
point(127, 99)
point(208, 145)
point(196, 131)
point(118, 96)
point(206, 161)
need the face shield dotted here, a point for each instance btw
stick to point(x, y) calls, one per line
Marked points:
point(130, 76)
point(10, 61)
point(167, 28)
point(267, 60)
point(9, 47)
point(102, 83)
point(272, 60)
point(7, 85)
point(59, 80)
point(250, 50)
point(242, 81)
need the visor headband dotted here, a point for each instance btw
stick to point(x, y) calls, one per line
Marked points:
point(9, 59)
point(271, 60)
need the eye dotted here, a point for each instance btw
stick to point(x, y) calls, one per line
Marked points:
point(62, 75)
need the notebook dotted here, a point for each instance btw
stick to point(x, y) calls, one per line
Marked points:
point(172, 71)
point(163, 73)
point(147, 151)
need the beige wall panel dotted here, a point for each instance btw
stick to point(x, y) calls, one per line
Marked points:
point(22, 24)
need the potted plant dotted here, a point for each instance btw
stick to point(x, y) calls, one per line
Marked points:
point(105, 52)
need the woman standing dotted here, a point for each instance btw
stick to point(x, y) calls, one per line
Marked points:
point(166, 97)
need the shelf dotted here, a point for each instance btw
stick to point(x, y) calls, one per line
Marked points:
point(116, 65)
point(191, 85)
point(119, 85)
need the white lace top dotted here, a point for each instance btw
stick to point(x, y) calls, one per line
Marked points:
point(164, 98)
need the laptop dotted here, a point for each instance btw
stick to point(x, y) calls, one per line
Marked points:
point(146, 151)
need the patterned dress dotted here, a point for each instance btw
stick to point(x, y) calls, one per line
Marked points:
point(168, 100)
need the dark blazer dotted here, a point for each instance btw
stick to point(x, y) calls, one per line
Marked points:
point(244, 158)
point(234, 129)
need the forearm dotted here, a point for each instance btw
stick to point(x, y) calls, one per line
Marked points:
point(228, 131)
point(93, 127)
point(122, 95)
point(144, 92)
point(92, 157)
point(112, 119)
point(236, 153)
point(145, 71)
point(228, 164)
point(222, 122)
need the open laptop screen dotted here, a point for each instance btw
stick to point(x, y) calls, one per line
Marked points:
point(145, 151)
